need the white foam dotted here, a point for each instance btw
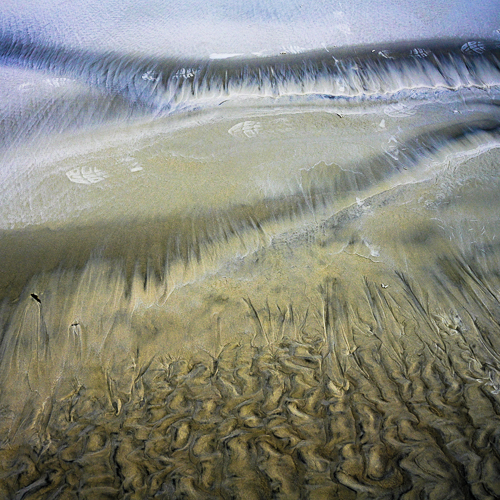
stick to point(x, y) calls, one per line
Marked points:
point(225, 56)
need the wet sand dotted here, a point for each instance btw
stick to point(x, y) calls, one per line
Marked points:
point(268, 299)
point(313, 367)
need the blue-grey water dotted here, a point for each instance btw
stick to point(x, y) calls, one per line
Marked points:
point(249, 251)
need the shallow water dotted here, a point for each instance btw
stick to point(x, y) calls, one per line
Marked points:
point(259, 277)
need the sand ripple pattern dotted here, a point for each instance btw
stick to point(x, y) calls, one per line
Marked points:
point(297, 417)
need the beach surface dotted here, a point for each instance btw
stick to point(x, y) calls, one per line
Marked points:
point(271, 278)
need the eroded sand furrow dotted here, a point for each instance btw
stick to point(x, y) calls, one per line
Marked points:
point(282, 430)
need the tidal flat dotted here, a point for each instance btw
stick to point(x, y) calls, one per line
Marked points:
point(276, 278)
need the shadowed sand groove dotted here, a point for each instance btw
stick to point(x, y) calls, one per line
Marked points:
point(291, 294)
point(165, 83)
point(80, 88)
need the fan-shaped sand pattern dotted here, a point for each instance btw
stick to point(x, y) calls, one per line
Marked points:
point(341, 406)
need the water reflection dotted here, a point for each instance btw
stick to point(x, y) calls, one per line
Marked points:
point(268, 278)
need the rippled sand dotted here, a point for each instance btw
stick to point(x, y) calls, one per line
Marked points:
point(282, 297)
point(360, 388)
